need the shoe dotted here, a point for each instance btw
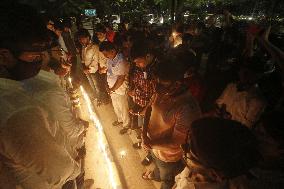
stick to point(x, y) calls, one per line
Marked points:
point(123, 130)
point(137, 145)
point(117, 123)
point(147, 160)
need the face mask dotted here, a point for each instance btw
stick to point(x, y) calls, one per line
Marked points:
point(25, 70)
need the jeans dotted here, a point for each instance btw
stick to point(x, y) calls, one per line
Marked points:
point(166, 171)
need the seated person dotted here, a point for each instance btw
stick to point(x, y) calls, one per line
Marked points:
point(219, 155)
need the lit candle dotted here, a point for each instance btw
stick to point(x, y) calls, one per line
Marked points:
point(70, 82)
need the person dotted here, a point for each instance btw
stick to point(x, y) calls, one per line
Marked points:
point(142, 88)
point(142, 81)
point(70, 45)
point(117, 79)
point(93, 62)
point(101, 34)
point(243, 101)
point(28, 150)
point(192, 78)
point(173, 109)
point(219, 154)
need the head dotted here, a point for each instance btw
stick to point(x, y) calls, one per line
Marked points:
point(108, 49)
point(67, 24)
point(23, 41)
point(50, 25)
point(223, 148)
point(84, 37)
point(169, 74)
point(141, 55)
point(251, 71)
point(58, 27)
point(101, 32)
point(186, 57)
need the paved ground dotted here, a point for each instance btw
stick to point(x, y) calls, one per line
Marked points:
point(126, 158)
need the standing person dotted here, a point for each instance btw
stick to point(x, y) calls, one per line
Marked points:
point(117, 73)
point(142, 80)
point(27, 148)
point(142, 88)
point(173, 111)
point(70, 45)
point(93, 62)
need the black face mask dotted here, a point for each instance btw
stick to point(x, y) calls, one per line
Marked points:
point(25, 70)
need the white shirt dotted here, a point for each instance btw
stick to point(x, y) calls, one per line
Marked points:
point(116, 67)
point(45, 89)
point(31, 152)
point(244, 106)
point(93, 58)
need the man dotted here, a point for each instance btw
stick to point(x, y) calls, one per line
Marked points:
point(28, 150)
point(219, 154)
point(142, 87)
point(117, 73)
point(101, 33)
point(243, 101)
point(93, 62)
point(70, 45)
point(141, 81)
point(173, 111)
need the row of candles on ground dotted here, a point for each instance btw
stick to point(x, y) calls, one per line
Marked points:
point(102, 142)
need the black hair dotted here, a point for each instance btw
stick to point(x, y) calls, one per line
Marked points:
point(67, 22)
point(100, 28)
point(139, 49)
point(187, 38)
point(21, 27)
point(224, 145)
point(83, 33)
point(169, 69)
point(58, 25)
point(107, 46)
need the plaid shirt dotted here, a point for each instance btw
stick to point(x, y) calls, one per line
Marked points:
point(143, 86)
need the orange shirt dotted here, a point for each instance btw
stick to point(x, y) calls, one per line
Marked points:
point(170, 115)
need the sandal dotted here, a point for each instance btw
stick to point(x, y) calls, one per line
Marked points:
point(148, 175)
point(147, 160)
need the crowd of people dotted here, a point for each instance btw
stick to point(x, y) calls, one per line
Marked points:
point(206, 102)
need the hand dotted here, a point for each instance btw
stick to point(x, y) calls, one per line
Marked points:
point(132, 112)
point(87, 70)
point(103, 70)
point(109, 90)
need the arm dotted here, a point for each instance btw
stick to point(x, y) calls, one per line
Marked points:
point(184, 117)
point(276, 53)
point(118, 83)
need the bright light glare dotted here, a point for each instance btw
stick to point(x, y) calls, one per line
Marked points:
point(70, 82)
point(112, 171)
point(122, 153)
